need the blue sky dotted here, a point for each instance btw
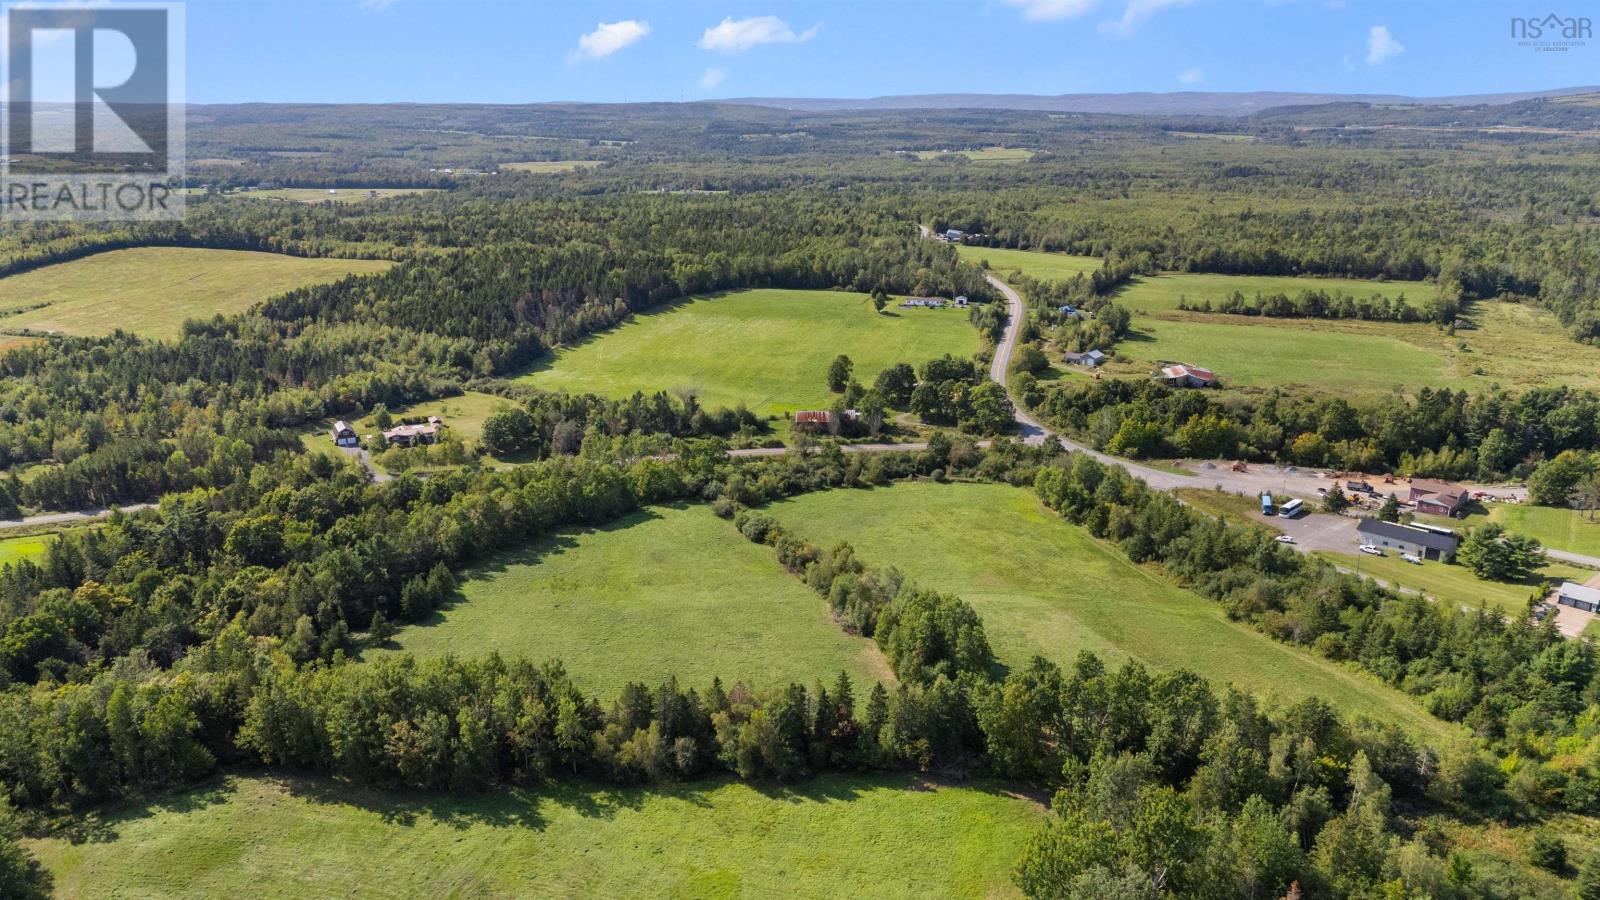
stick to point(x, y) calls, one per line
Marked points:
point(538, 50)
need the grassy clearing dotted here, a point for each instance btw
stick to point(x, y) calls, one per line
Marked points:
point(1004, 155)
point(1033, 263)
point(151, 290)
point(337, 195)
point(17, 549)
point(1153, 293)
point(1456, 584)
point(1223, 504)
point(767, 349)
point(547, 166)
point(1563, 529)
point(1046, 587)
point(665, 591)
point(301, 837)
point(1507, 344)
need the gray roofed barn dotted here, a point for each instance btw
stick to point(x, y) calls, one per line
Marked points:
point(1405, 539)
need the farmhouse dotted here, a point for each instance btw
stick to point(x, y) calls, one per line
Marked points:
point(1420, 542)
point(344, 435)
point(922, 303)
point(1091, 359)
point(1437, 498)
point(412, 435)
point(1578, 597)
point(1181, 375)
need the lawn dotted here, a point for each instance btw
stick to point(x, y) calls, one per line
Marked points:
point(1046, 587)
point(767, 349)
point(151, 290)
point(550, 166)
point(665, 591)
point(833, 836)
point(1563, 529)
point(1224, 504)
point(1033, 263)
point(1450, 583)
point(1004, 155)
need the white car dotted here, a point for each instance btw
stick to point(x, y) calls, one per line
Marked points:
point(1285, 539)
point(1371, 550)
point(1412, 558)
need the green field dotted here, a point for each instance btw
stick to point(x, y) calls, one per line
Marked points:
point(304, 837)
point(1034, 264)
point(547, 166)
point(1508, 344)
point(1046, 587)
point(336, 195)
point(1152, 293)
point(1456, 584)
point(1004, 155)
point(767, 349)
point(664, 591)
point(151, 290)
point(17, 549)
point(1563, 529)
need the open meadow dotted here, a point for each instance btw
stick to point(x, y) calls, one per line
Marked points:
point(293, 837)
point(550, 166)
point(1002, 155)
point(767, 349)
point(1500, 343)
point(666, 591)
point(1033, 263)
point(1156, 293)
point(29, 546)
point(1044, 586)
point(1559, 527)
point(150, 291)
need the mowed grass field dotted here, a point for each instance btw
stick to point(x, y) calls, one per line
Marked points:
point(302, 837)
point(336, 195)
point(1003, 155)
point(1449, 583)
point(1496, 343)
point(667, 591)
point(1044, 586)
point(151, 290)
point(548, 166)
point(1032, 263)
point(17, 549)
point(1561, 528)
point(767, 349)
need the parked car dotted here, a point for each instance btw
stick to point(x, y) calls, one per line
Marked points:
point(1412, 558)
point(1371, 550)
point(1285, 539)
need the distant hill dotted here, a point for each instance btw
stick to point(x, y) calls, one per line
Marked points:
point(1177, 103)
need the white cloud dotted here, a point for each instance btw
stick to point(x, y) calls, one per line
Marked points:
point(609, 37)
point(1136, 13)
point(1192, 75)
point(1052, 10)
point(1381, 45)
point(711, 79)
point(738, 35)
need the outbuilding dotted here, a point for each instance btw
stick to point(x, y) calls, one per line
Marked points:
point(1091, 359)
point(1578, 597)
point(1181, 375)
point(1423, 543)
point(344, 435)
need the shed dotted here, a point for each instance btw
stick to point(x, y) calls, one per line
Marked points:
point(1182, 375)
point(344, 435)
point(1578, 597)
